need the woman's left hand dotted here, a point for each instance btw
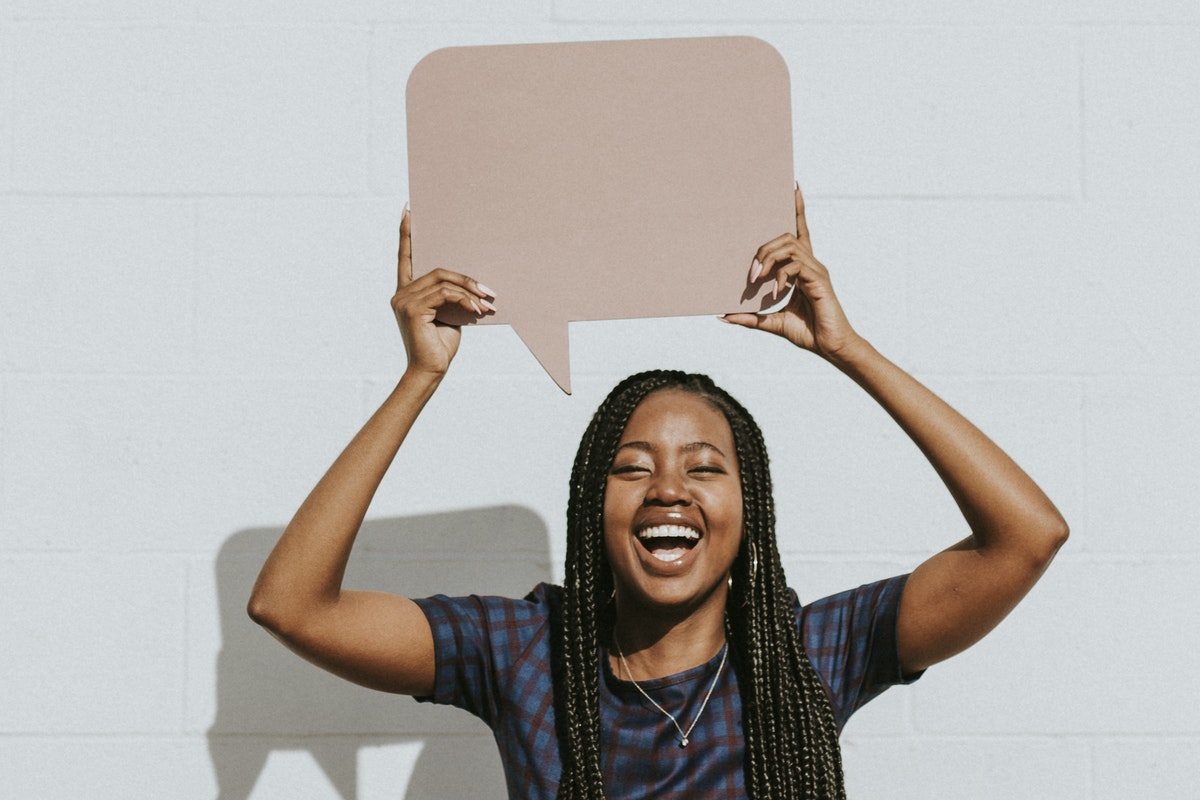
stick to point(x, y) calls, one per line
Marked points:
point(813, 318)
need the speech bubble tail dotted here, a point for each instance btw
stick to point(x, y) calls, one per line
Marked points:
point(550, 344)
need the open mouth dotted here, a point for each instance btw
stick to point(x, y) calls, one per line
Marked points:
point(668, 542)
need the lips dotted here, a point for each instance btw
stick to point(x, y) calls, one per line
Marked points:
point(668, 542)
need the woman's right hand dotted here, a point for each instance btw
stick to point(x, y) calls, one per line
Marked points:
point(430, 344)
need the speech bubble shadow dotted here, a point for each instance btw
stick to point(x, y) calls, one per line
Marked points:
point(600, 180)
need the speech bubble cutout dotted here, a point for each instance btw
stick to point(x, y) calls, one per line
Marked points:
point(600, 180)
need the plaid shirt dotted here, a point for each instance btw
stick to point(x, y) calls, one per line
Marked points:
point(493, 659)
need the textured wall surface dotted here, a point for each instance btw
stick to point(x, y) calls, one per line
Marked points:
point(198, 206)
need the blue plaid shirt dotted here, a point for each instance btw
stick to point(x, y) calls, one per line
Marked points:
point(493, 659)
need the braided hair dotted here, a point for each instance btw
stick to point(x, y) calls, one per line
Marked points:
point(790, 735)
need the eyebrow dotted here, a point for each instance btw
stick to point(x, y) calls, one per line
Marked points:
point(691, 447)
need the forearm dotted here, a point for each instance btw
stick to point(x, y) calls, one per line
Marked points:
point(304, 571)
point(1003, 507)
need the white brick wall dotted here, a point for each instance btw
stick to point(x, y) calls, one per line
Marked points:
point(198, 203)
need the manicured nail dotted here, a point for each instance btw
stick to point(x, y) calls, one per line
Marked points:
point(486, 304)
point(484, 289)
point(475, 306)
point(755, 270)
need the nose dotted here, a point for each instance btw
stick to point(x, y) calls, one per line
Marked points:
point(668, 489)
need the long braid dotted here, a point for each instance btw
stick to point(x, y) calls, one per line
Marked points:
point(791, 737)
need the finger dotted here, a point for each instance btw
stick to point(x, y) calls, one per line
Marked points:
point(404, 268)
point(780, 249)
point(430, 300)
point(777, 257)
point(801, 222)
point(799, 266)
point(745, 320)
point(766, 322)
point(465, 282)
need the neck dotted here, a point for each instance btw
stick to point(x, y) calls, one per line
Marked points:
point(656, 645)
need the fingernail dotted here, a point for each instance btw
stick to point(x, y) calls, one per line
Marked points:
point(405, 211)
point(486, 304)
point(484, 289)
point(755, 270)
point(778, 289)
point(475, 306)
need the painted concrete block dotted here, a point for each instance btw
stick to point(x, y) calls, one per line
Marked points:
point(162, 465)
point(912, 12)
point(1141, 114)
point(1156, 766)
point(190, 109)
point(994, 768)
point(374, 11)
point(6, 91)
point(263, 688)
point(102, 11)
point(106, 767)
point(94, 642)
point(935, 111)
point(1142, 178)
point(273, 705)
point(436, 772)
point(1008, 287)
point(521, 443)
point(1095, 650)
point(1140, 466)
point(96, 285)
point(848, 480)
point(298, 287)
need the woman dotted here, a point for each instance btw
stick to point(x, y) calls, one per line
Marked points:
point(674, 662)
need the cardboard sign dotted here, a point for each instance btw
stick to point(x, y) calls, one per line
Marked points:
point(600, 180)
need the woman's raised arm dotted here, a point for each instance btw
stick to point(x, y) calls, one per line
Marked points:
point(954, 598)
point(378, 640)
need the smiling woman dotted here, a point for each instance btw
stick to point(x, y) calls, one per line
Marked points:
point(675, 661)
point(672, 450)
point(673, 510)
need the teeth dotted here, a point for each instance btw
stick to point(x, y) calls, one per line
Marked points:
point(668, 556)
point(668, 532)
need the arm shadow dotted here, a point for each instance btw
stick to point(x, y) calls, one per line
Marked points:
point(270, 700)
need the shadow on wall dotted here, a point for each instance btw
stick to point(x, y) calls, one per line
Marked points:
point(268, 699)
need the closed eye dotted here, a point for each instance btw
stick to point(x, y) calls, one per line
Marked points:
point(628, 469)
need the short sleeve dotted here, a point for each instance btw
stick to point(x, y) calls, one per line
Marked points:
point(482, 644)
point(851, 641)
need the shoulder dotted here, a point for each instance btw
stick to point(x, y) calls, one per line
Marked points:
point(851, 608)
point(850, 638)
point(491, 617)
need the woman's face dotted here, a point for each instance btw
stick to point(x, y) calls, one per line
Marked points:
point(673, 504)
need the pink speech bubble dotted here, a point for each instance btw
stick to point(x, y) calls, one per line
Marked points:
point(600, 180)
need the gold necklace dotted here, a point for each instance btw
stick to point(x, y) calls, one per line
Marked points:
point(683, 735)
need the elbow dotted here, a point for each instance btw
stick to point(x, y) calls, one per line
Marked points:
point(267, 613)
point(1052, 534)
point(261, 611)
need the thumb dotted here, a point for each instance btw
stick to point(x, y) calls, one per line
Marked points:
point(766, 322)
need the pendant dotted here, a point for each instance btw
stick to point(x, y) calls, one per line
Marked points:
point(683, 742)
